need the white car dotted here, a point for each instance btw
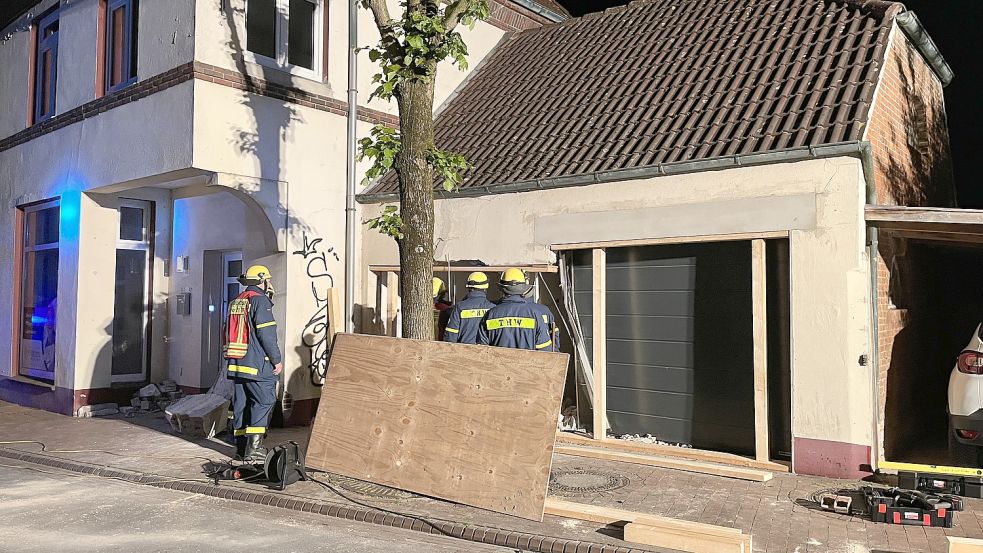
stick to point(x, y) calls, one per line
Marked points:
point(966, 405)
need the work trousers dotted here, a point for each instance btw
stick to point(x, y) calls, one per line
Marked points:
point(252, 404)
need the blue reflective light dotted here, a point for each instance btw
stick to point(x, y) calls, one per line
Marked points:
point(71, 201)
point(38, 320)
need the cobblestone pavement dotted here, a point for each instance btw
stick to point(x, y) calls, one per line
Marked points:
point(777, 513)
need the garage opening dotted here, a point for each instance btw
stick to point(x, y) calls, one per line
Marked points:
point(933, 308)
point(679, 328)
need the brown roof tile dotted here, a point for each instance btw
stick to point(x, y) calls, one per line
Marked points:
point(662, 81)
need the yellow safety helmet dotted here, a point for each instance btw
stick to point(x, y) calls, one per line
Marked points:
point(478, 280)
point(438, 287)
point(513, 276)
point(254, 275)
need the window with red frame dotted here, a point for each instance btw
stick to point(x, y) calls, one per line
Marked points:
point(46, 66)
point(121, 43)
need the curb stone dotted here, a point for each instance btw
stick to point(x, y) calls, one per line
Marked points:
point(470, 532)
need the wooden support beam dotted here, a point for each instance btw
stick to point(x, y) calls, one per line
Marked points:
point(759, 333)
point(666, 241)
point(728, 471)
point(671, 451)
point(392, 303)
point(336, 315)
point(599, 340)
point(681, 535)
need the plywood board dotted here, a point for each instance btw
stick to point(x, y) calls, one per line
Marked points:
point(740, 473)
point(470, 424)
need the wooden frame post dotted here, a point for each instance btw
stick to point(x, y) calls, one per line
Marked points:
point(599, 337)
point(759, 333)
point(392, 303)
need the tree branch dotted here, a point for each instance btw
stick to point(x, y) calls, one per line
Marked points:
point(453, 13)
point(382, 19)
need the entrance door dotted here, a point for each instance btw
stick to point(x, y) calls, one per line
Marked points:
point(231, 270)
point(131, 317)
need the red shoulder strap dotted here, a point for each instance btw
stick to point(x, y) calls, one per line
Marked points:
point(246, 294)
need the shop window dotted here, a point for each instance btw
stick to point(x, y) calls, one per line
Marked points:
point(121, 44)
point(45, 66)
point(286, 34)
point(38, 290)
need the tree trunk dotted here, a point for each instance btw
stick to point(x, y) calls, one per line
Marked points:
point(415, 102)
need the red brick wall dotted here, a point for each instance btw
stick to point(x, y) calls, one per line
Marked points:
point(512, 17)
point(909, 133)
point(912, 167)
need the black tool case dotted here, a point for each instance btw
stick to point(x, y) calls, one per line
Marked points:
point(966, 486)
point(894, 506)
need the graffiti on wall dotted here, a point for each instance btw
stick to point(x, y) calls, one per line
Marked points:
point(315, 336)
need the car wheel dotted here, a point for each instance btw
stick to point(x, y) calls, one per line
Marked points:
point(960, 454)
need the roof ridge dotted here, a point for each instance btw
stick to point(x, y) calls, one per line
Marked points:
point(881, 8)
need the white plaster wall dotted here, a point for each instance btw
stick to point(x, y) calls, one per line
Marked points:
point(213, 222)
point(165, 40)
point(220, 41)
point(15, 59)
point(167, 36)
point(258, 137)
point(831, 392)
point(101, 151)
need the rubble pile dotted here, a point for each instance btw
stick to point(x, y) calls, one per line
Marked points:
point(648, 439)
point(153, 398)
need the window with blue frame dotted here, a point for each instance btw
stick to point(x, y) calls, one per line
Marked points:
point(39, 290)
point(46, 66)
point(121, 43)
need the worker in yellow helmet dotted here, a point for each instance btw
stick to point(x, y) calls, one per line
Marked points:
point(466, 316)
point(517, 322)
point(253, 362)
point(441, 308)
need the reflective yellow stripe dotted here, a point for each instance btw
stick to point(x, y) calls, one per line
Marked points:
point(546, 319)
point(255, 430)
point(511, 322)
point(473, 313)
point(240, 432)
point(454, 330)
point(242, 369)
point(544, 344)
point(933, 469)
point(264, 325)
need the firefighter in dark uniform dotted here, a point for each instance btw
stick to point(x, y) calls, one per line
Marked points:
point(466, 316)
point(441, 308)
point(517, 322)
point(254, 362)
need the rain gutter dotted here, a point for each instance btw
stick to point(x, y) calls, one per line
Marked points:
point(788, 155)
point(913, 27)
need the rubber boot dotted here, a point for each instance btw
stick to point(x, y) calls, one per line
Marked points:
point(240, 442)
point(255, 452)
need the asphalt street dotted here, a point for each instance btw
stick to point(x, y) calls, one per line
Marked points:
point(48, 510)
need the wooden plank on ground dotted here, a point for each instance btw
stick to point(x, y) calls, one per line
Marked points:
point(682, 535)
point(965, 545)
point(671, 451)
point(742, 473)
point(471, 424)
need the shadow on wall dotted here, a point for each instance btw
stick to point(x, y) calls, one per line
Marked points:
point(928, 180)
point(273, 123)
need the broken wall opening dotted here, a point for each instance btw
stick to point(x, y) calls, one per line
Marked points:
point(679, 361)
point(930, 294)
